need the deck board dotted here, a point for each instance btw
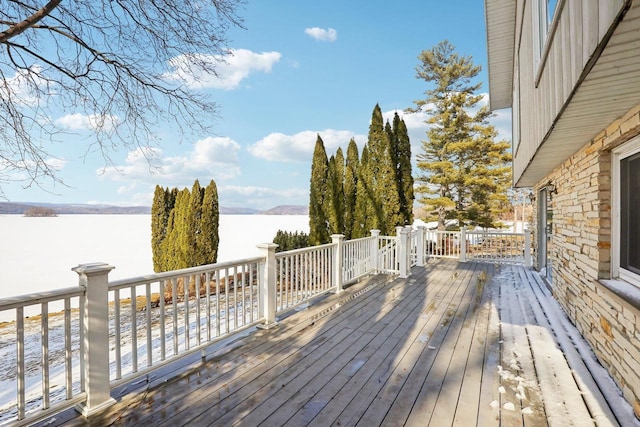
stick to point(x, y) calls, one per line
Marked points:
point(431, 350)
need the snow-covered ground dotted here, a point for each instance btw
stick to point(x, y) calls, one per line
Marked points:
point(37, 254)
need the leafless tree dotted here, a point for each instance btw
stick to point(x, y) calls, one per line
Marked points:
point(125, 65)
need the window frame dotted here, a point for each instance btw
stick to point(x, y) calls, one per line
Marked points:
point(545, 27)
point(626, 150)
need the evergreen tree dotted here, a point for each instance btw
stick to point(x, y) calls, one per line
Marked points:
point(193, 233)
point(364, 214)
point(390, 189)
point(350, 187)
point(318, 224)
point(288, 241)
point(335, 193)
point(179, 245)
point(377, 144)
point(159, 223)
point(464, 171)
point(402, 159)
point(209, 224)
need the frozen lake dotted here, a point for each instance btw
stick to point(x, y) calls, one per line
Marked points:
point(37, 254)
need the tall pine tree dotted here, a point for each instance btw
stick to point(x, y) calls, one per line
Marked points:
point(335, 197)
point(209, 224)
point(350, 186)
point(401, 147)
point(159, 226)
point(464, 171)
point(364, 214)
point(193, 236)
point(318, 222)
point(184, 227)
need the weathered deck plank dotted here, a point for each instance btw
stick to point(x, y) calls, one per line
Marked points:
point(432, 349)
point(432, 369)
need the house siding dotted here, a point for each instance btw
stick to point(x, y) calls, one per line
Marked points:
point(549, 83)
point(581, 255)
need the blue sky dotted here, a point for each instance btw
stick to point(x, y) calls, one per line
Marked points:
point(299, 69)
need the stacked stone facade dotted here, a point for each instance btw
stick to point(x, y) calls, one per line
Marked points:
point(580, 251)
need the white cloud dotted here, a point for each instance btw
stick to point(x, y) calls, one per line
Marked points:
point(25, 87)
point(79, 121)
point(299, 147)
point(502, 122)
point(328, 35)
point(210, 158)
point(230, 69)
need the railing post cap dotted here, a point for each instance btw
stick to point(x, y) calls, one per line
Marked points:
point(269, 246)
point(337, 236)
point(375, 232)
point(93, 268)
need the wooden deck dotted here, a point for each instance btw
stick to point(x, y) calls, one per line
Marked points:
point(454, 344)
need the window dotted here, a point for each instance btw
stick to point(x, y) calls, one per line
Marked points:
point(551, 10)
point(626, 209)
point(545, 21)
point(546, 12)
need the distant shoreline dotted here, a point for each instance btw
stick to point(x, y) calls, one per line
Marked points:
point(19, 208)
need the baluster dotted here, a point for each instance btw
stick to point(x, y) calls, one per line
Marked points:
point(207, 277)
point(68, 384)
point(148, 316)
point(174, 323)
point(134, 330)
point(163, 340)
point(185, 292)
point(118, 341)
point(44, 337)
point(20, 361)
point(198, 314)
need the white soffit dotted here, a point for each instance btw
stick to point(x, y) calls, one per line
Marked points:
point(500, 16)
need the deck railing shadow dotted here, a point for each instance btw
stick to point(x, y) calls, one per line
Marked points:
point(112, 332)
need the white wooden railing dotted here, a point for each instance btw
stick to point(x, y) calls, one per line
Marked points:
point(111, 332)
point(486, 246)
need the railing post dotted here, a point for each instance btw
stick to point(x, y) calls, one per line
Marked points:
point(527, 247)
point(463, 245)
point(94, 278)
point(337, 240)
point(267, 286)
point(403, 251)
point(374, 250)
point(420, 245)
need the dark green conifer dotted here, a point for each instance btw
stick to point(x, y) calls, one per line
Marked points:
point(404, 178)
point(335, 197)
point(193, 234)
point(159, 223)
point(364, 214)
point(209, 224)
point(350, 187)
point(318, 224)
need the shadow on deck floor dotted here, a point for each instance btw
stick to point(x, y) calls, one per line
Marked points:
point(454, 344)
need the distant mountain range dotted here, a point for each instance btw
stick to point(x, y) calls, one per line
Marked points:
point(68, 209)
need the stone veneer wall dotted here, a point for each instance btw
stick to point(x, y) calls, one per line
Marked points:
point(581, 254)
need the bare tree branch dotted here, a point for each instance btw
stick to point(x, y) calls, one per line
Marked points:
point(19, 27)
point(109, 60)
